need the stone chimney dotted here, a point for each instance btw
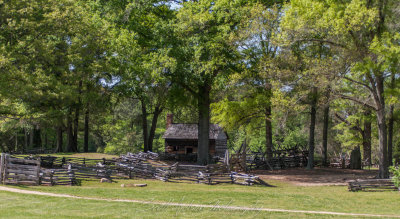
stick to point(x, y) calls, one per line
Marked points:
point(170, 119)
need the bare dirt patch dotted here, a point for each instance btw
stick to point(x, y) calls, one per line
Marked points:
point(316, 177)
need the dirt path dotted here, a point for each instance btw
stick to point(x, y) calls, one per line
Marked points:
point(21, 191)
point(315, 177)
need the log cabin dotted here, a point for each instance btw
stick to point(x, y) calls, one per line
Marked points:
point(182, 138)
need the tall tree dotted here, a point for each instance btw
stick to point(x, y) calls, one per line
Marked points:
point(205, 54)
point(357, 28)
point(140, 45)
point(313, 115)
point(48, 43)
point(325, 129)
point(253, 86)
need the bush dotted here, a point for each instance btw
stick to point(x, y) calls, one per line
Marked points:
point(396, 175)
point(296, 137)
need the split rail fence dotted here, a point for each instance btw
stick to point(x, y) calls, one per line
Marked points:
point(47, 170)
point(52, 171)
point(19, 171)
point(371, 185)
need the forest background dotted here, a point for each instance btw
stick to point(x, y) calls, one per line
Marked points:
point(97, 75)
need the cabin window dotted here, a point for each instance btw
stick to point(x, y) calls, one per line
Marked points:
point(189, 150)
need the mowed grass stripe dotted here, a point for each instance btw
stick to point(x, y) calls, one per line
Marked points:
point(283, 196)
point(172, 204)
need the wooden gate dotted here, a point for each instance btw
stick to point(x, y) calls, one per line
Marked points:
point(19, 171)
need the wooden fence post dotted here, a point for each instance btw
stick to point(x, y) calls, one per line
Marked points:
point(38, 171)
point(1, 167)
point(52, 183)
point(70, 175)
point(4, 168)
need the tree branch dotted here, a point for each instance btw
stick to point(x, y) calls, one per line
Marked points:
point(349, 124)
point(321, 41)
point(186, 87)
point(358, 82)
point(7, 117)
point(245, 119)
point(364, 103)
point(373, 84)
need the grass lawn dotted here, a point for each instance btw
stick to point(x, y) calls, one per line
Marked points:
point(14, 205)
point(284, 196)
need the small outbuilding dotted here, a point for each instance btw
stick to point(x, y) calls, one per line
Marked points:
point(182, 138)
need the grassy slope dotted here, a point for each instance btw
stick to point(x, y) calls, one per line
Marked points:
point(31, 206)
point(286, 196)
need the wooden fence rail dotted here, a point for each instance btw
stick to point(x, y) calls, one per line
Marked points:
point(58, 177)
point(371, 185)
point(71, 171)
point(56, 162)
point(74, 174)
point(19, 171)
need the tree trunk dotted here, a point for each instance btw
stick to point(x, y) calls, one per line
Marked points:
point(204, 125)
point(144, 126)
point(367, 137)
point(390, 136)
point(383, 164)
point(268, 122)
point(243, 155)
point(311, 141)
point(355, 158)
point(59, 139)
point(16, 142)
point(390, 127)
point(157, 112)
point(325, 132)
point(86, 135)
point(75, 130)
point(76, 120)
point(268, 133)
point(37, 138)
point(26, 140)
point(70, 135)
point(46, 142)
point(31, 137)
point(382, 132)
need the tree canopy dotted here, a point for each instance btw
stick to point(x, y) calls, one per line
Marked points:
point(318, 75)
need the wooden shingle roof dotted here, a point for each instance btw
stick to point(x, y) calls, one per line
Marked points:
point(190, 131)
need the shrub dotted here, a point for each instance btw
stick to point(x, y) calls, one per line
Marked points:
point(396, 175)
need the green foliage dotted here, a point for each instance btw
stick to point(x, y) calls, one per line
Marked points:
point(396, 175)
point(296, 137)
point(56, 59)
point(205, 53)
point(128, 62)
